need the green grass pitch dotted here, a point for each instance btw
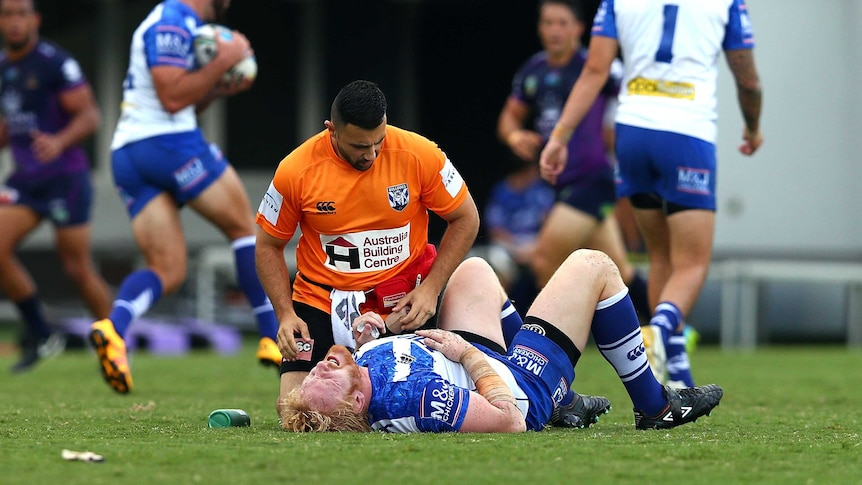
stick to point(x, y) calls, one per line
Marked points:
point(789, 415)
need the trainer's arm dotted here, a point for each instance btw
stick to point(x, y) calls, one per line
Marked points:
point(463, 226)
point(275, 279)
point(461, 231)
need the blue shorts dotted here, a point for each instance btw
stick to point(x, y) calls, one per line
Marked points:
point(182, 165)
point(542, 370)
point(595, 195)
point(680, 169)
point(65, 200)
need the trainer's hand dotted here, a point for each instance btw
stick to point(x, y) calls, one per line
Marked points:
point(287, 328)
point(412, 311)
point(449, 344)
point(367, 327)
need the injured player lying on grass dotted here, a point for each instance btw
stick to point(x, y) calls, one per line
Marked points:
point(476, 374)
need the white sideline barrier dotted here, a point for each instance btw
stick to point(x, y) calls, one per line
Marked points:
point(740, 280)
point(215, 259)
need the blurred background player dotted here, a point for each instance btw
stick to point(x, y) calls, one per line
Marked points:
point(162, 162)
point(666, 132)
point(48, 109)
point(514, 213)
point(583, 215)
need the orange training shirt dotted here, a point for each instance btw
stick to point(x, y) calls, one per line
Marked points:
point(358, 228)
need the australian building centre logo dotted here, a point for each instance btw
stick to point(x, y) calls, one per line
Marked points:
point(366, 251)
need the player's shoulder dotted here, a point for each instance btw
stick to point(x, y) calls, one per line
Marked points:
point(174, 10)
point(173, 13)
point(406, 140)
point(55, 59)
point(535, 62)
point(51, 51)
point(308, 155)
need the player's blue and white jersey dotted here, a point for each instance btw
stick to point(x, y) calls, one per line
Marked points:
point(164, 38)
point(670, 52)
point(416, 389)
point(30, 90)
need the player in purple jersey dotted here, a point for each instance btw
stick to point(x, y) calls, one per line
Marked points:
point(438, 381)
point(47, 110)
point(666, 132)
point(583, 214)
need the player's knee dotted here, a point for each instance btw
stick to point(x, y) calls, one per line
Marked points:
point(592, 260)
point(76, 270)
point(476, 271)
point(476, 264)
point(238, 228)
point(171, 276)
point(7, 251)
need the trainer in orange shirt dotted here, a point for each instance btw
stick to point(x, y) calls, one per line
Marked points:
point(360, 192)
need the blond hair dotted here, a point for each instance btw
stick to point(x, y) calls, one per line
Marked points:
point(299, 417)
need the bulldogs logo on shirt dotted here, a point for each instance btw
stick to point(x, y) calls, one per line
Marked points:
point(399, 196)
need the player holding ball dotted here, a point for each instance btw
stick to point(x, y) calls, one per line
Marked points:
point(162, 162)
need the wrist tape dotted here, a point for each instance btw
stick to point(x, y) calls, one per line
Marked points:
point(488, 383)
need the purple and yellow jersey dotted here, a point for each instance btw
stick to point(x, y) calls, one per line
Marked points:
point(544, 89)
point(30, 92)
point(670, 53)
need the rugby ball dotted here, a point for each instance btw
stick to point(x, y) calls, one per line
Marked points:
point(206, 47)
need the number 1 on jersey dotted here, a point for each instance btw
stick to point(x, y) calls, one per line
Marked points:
point(665, 47)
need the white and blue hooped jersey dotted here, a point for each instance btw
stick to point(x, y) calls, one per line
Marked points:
point(418, 389)
point(671, 52)
point(165, 37)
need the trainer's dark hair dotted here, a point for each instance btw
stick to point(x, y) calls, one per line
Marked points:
point(360, 103)
point(573, 5)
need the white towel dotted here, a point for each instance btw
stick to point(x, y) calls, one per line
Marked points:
point(345, 309)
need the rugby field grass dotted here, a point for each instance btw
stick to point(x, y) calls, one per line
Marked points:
point(789, 415)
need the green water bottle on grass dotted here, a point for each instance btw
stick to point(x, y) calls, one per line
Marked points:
point(225, 418)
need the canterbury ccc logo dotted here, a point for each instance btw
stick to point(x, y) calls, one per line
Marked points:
point(326, 206)
point(636, 352)
point(533, 328)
